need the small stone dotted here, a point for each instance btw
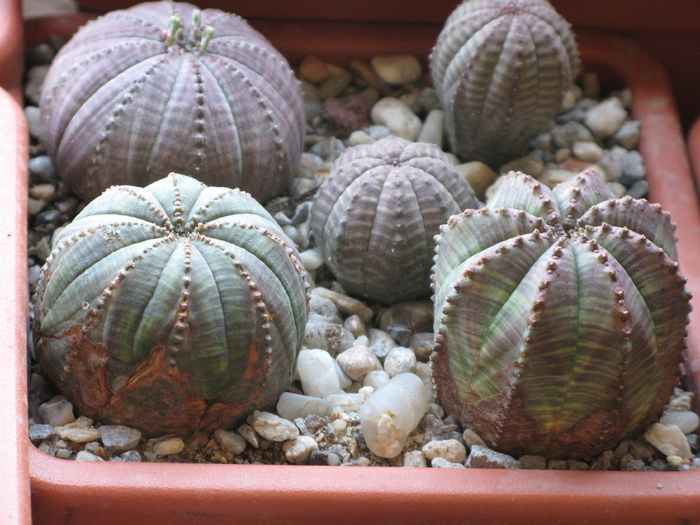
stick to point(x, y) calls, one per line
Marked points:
point(669, 440)
point(530, 462)
point(247, 433)
point(314, 69)
point(79, 431)
point(130, 456)
point(376, 379)
point(422, 345)
point(291, 406)
point(343, 380)
point(230, 441)
point(325, 308)
point(34, 82)
point(57, 412)
point(273, 427)
point(400, 360)
point(357, 362)
point(687, 421)
point(633, 166)
point(417, 315)
point(317, 373)
point(43, 192)
point(324, 457)
point(169, 446)
point(557, 464)
point(359, 137)
point(587, 151)
point(552, 177)
point(482, 457)
point(439, 462)
point(346, 304)
point(119, 438)
point(62, 453)
point(378, 337)
point(42, 168)
point(355, 326)
point(346, 402)
point(319, 334)
point(605, 118)
point(479, 176)
point(617, 189)
point(35, 125)
point(38, 433)
point(414, 459)
point(84, 455)
point(450, 449)
point(398, 117)
point(335, 83)
point(299, 449)
point(311, 260)
point(634, 465)
point(391, 413)
point(639, 189)
point(527, 164)
point(397, 69)
point(612, 161)
point(425, 373)
point(432, 130)
point(566, 135)
point(628, 134)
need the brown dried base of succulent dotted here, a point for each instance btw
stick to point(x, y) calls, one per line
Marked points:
point(154, 398)
point(506, 424)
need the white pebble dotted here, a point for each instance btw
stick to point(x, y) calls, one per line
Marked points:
point(439, 462)
point(84, 455)
point(687, 421)
point(43, 192)
point(449, 449)
point(299, 449)
point(399, 361)
point(397, 69)
point(346, 402)
point(432, 130)
point(359, 137)
point(317, 373)
point(310, 259)
point(291, 406)
point(169, 446)
point(391, 414)
point(424, 371)
point(376, 379)
point(588, 151)
point(273, 427)
point(230, 441)
point(34, 123)
point(58, 411)
point(605, 118)
point(343, 379)
point(398, 117)
point(669, 439)
point(414, 459)
point(357, 362)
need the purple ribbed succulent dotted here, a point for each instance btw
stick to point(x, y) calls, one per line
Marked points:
point(171, 308)
point(164, 87)
point(375, 216)
point(559, 317)
point(501, 69)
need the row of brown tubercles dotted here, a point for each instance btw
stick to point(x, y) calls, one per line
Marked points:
point(171, 308)
point(559, 317)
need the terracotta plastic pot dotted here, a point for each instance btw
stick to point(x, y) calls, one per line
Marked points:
point(694, 149)
point(10, 47)
point(118, 493)
point(14, 471)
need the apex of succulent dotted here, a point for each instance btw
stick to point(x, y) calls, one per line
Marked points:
point(171, 308)
point(163, 87)
point(501, 69)
point(559, 317)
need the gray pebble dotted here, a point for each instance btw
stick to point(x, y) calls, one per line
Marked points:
point(633, 165)
point(482, 457)
point(566, 135)
point(400, 333)
point(628, 135)
point(324, 457)
point(230, 441)
point(42, 168)
point(439, 462)
point(119, 438)
point(40, 432)
point(328, 149)
point(130, 456)
point(399, 360)
point(324, 308)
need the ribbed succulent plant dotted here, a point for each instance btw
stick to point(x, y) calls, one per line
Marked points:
point(559, 317)
point(171, 308)
point(375, 216)
point(164, 87)
point(501, 69)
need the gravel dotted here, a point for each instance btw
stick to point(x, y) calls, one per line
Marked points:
point(357, 346)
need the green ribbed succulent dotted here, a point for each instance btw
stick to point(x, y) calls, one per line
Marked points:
point(162, 87)
point(171, 308)
point(375, 216)
point(501, 69)
point(559, 317)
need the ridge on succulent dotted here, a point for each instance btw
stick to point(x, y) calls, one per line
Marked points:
point(375, 215)
point(559, 317)
point(163, 86)
point(501, 69)
point(171, 308)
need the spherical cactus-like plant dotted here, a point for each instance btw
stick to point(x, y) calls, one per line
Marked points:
point(164, 87)
point(171, 308)
point(375, 216)
point(559, 317)
point(501, 69)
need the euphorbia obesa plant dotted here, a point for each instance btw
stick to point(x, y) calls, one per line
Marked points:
point(559, 317)
point(501, 69)
point(164, 87)
point(171, 308)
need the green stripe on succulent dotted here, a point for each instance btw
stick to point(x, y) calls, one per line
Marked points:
point(190, 320)
point(560, 342)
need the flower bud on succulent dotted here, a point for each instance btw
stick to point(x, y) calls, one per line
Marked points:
point(164, 87)
point(171, 308)
point(559, 317)
point(501, 69)
point(375, 216)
